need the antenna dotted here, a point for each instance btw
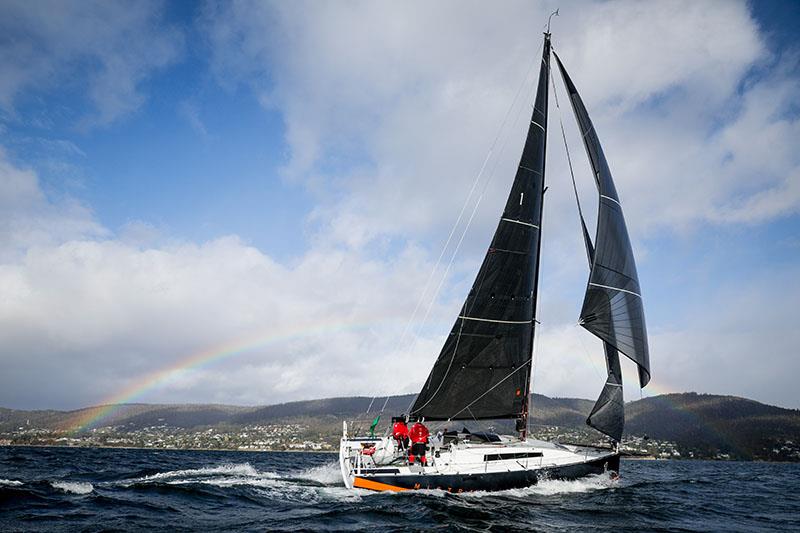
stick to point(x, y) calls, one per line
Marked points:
point(553, 14)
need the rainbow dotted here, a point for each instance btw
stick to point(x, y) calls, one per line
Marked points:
point(84, 419)
point(88, 418)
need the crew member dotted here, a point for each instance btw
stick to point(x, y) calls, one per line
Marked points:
point(400, 432)
point(419, 441)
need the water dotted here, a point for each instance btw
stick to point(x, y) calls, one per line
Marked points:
point(105, 489)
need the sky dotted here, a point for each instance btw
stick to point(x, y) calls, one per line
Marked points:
point(258, 202)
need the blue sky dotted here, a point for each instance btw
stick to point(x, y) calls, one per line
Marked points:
point(177, 176)
point(195, 159)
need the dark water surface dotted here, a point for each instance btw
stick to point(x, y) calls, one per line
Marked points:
point(65, 489)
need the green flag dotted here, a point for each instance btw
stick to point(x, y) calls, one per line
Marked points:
point(372, 426)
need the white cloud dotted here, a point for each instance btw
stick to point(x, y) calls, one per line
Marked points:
point(415, 93)
point(113, 45)
point(694, 110)
point(389, 110)
point(28, 219)
point(85, 313)
point(741, 340)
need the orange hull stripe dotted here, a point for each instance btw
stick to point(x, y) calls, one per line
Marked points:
point(362, 483)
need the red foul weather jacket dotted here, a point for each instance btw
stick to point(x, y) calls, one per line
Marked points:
point(399, 430)
point(419, 433)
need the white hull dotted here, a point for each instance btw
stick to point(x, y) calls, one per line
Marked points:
point(467, 466)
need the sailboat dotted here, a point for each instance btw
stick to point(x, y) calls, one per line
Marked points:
point(483, 371)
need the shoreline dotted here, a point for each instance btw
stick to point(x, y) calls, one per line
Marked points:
point(161, 449)
point(335, 452)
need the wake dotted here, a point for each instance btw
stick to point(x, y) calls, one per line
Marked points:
point(312, 484)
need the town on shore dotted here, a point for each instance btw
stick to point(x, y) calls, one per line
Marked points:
point(300, 437)
point(670, 426)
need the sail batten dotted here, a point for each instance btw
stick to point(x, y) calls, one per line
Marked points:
point(483, 369)
point(612, 308)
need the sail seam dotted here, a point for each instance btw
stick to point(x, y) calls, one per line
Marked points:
point(520, 222)
point(536, 123)
point(615, 288)
point(530, 169)
point(496, 321)
point(612, 199)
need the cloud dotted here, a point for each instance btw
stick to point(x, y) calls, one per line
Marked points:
point(389, 111)
point(191, 114)
point(28, 219)
point(414, 94)
point(112, 46)
point(740, 341)
point(84, 310)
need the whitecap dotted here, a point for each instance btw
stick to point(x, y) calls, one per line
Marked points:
point(552, 487)
point(228, 481)
point(73, 487)
point(10, 482)
point(549, 487)
point(241, 469)
point(228, 471)
point(326, 474)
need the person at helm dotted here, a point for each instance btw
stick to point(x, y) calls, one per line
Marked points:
point(419, 442)
point(400, 432)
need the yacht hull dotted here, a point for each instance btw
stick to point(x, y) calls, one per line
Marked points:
point(468, 467)
point(484, 482)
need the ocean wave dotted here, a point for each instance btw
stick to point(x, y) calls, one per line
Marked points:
point(73, 487)
point(228, 481)
point(552, 487)
point(327, 474)
point(10, 482)
point(310, 485)
point(229, 470)
point(549, 487)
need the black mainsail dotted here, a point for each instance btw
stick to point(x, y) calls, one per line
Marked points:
point(484, 368)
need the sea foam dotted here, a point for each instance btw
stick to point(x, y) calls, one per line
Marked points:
point(73, 487)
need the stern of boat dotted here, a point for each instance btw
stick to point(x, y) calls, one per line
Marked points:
point(345, 452)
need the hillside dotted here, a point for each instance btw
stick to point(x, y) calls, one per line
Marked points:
point(565, 412)
point(701, 425)
point(726, 424)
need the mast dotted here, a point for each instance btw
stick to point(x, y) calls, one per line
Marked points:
point(543, 74)
point(484, 368)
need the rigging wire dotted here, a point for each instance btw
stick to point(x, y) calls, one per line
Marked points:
point(577, 201)
point(470, 404)
point(501, 130)
point(452, 259)
point(566, 149)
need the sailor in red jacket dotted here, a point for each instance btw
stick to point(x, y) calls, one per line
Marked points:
point(400, 432)
point(419, 441)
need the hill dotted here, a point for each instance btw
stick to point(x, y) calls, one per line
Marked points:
point(711, 424)
point(700, 425)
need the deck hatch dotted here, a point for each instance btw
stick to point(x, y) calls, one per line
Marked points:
point(515, 455)
point(379, 471)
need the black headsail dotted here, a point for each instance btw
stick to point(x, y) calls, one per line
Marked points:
point(612, 308)
point(484, 368)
